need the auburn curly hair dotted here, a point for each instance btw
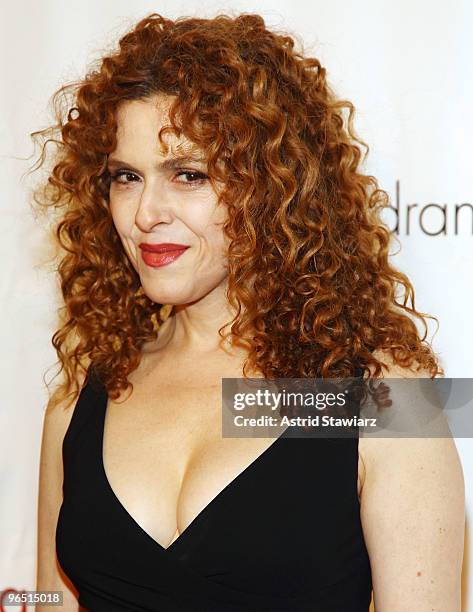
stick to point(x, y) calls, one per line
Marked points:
point(308, 261)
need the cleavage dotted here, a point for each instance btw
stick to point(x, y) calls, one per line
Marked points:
point(165, 466)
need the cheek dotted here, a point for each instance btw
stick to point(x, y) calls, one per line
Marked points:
point(210, 232)
point(217, 243)
point(124, 222)
point(221, 238)
point(122, 218)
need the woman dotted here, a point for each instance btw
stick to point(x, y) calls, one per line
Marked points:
point(208, 179)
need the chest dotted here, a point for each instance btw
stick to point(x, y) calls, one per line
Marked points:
point(165, 458)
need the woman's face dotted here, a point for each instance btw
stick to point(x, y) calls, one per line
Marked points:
point(158, 199)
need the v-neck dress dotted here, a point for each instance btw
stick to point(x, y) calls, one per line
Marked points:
point(284, 535)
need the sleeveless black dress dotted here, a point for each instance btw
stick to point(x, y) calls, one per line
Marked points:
point(284, 535)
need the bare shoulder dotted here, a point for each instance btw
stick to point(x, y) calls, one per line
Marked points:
point(377, 454)
point(58, 415)
point(372, 450)
point(56, 421)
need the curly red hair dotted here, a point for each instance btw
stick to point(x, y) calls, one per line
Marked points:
point(309, 270)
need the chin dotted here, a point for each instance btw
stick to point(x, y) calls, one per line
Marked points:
point(175, 296)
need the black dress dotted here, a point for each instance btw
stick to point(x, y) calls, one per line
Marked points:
point(284, 535)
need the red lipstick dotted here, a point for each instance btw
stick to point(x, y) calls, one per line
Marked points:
point(162, 254)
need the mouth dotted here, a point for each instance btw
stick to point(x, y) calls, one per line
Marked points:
point(163, 254)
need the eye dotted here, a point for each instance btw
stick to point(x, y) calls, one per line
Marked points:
point(123, 177)
point(193, 177)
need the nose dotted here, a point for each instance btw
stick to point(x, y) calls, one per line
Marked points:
point(154, 207)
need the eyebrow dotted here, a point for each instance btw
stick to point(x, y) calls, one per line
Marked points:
point(170, 163)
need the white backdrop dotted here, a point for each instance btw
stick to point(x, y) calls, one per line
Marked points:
point(407, 68)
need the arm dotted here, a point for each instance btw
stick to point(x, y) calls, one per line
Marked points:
point(50, 576)
point(412, 511)
point(413, 517)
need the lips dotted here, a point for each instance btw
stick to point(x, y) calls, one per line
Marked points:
point(162, 254)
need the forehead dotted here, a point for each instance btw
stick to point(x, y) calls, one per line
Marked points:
point(139, 122)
